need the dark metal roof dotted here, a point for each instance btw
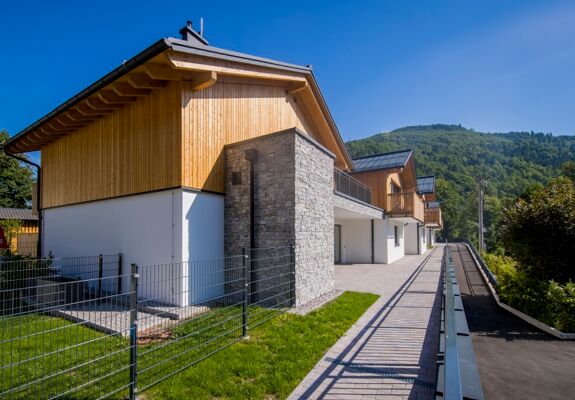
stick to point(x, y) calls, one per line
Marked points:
point(396, 159)
point(24, 214)
point(426, 184)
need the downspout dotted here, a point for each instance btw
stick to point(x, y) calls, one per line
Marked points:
point(418, 239)
point(372, 242)
point(38, 194)
point(251, 155)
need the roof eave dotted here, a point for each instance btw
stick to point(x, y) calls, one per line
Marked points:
point(139, 59)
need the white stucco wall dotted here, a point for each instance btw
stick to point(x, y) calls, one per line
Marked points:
point(203, 245)
point(355, 240)
point(412, 238)
point(386, 251)
point(164, 228)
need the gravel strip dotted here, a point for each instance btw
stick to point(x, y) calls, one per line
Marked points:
point(316, 303)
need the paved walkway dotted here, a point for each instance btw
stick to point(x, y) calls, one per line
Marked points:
point(390, 353)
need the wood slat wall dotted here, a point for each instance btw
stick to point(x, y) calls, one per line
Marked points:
point(379, 182)
point(135, 149)
point(226, 113)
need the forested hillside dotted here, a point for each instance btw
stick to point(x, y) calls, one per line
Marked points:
point(513, 163)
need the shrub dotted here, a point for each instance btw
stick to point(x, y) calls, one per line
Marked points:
point(548, 301)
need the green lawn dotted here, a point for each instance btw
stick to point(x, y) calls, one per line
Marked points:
point(273, 361)
point(51, 356)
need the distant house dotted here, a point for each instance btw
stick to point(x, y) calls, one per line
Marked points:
point(25, 239)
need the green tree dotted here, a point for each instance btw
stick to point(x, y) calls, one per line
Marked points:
point(15, 180)
point(568, 169)
point(539, 233)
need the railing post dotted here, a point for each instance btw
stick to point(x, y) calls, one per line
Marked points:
point(245, 293)
point(100, 274)
point(292, 274)
point(133, 331)
point(119, 283)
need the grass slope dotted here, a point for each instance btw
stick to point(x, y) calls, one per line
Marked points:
point(273, 361)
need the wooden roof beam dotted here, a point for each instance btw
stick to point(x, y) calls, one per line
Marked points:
point(187, 62)
point(203, 80)
point(57, 126)
point(77, 116)
point(85, 109)
point(162, 72)
point(69, 123)
point(98, 104)
point(126, 89)
point(143, 81)
point(298, 87)
point(110, 97)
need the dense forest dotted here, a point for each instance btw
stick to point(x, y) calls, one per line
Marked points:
point(514, 163)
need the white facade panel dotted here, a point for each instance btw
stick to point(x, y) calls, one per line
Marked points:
point(387, 248)
point(161, 229)
point(355, 240)
point(203, 245)
point(415, 238)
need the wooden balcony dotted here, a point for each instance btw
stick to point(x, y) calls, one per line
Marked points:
point(433, 217)
point(405, 205)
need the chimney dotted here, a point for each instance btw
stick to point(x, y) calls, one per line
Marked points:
point(190, 35)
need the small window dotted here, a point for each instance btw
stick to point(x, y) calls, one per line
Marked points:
point(396, 235)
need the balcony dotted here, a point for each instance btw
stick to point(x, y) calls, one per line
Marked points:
point(407, 205)
point(433, 216)
point(349, 186)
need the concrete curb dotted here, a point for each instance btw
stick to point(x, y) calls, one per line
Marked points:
point(530, 320)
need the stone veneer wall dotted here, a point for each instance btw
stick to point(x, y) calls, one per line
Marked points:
point(314, 221)
point(293, 205)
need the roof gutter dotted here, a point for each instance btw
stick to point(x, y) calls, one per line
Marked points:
point(142, 57)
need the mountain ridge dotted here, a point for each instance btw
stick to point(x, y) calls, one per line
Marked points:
point(513, 162)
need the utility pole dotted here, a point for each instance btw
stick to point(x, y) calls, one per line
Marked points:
point(482, 185)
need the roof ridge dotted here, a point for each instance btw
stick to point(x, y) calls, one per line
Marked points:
point(384, 154)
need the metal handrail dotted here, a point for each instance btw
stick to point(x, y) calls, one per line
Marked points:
point(452, 379)
point(457, 374)
point(348, 185)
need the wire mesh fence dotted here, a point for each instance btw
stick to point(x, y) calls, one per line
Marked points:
point(79, 328)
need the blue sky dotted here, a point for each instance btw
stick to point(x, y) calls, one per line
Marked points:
point(492, 65)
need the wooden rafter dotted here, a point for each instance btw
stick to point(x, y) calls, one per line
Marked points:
point(143, 81)
point(77, 116)
point(98, 104)
point(162, 72)
point(111, 97)
point(85, 109)
point(69, 123)
point(126, 89)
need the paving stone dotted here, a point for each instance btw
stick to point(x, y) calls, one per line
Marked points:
point(391, 350)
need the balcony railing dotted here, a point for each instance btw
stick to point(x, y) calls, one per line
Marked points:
point(433, 216)
point(346, 184)
point(405, 205)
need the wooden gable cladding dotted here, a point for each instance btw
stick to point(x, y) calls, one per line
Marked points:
point(230, 111)
point(134, 149)
point(380, 183)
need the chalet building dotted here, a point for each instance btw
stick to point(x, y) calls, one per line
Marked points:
point(393, 187)
point(24, 240)
point(168, 157)
point(192, 152)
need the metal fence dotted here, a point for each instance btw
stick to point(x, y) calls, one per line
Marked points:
point(457, 373)
point(70, 333)
point(348, 185)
